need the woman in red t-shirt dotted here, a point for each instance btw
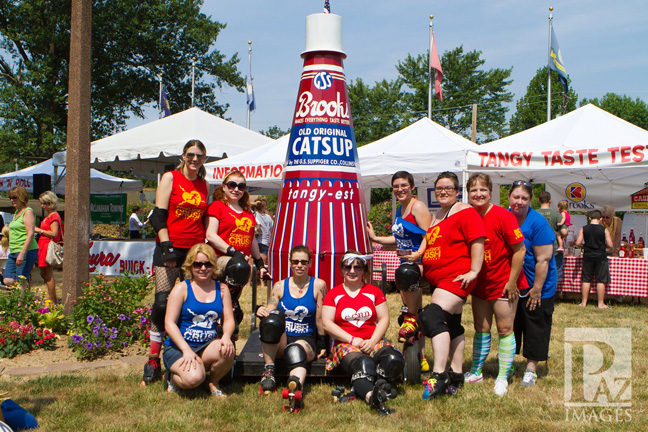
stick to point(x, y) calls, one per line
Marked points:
point(179, 222)
point(51, 229)
point(231, 232)
point(453, 256)
point(496, 292)
point(356, 316)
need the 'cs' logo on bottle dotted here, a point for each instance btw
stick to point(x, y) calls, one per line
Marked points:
point(576, 192)
point(323, 80)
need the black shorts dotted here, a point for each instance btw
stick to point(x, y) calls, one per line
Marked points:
point(310, 340)
point(598, 268)
point(533, 329)
point(181, 253)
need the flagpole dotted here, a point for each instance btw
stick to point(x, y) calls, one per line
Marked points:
point(549, 67)
point(193, 79)
point(430, 92)
point(160, 97)
point(249, 69)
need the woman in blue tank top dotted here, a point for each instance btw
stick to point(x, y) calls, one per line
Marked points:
point(291, 324)
point(194, 309)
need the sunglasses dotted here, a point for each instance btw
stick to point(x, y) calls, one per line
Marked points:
point(518, 183)
point(197, 265)
point(13, 197)
point(192, 155)
point(397, 187)
point(355, 268)
point(233, 185)
point(444, 188)
point(297, 262)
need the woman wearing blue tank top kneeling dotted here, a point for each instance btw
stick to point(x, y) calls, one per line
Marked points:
point(291, 325)
point(193, 310)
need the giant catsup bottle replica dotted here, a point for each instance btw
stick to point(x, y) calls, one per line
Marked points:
point(321, 202)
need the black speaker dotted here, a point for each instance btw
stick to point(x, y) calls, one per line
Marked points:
point(42, 183)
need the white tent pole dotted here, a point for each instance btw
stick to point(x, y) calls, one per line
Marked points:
point(549, 69)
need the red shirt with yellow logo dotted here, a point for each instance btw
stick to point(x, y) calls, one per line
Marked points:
point(502, 231)
point(236, 229)
point(187, 205)
point(448, 250)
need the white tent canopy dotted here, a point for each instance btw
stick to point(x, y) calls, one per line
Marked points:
point(424, 149)
point(262, 166)
point(100, 183)
point(588, 157)
point(149, 147)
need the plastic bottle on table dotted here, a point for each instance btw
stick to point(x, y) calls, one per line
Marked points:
point(623, 250)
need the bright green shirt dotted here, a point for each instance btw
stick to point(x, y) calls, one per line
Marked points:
point(18, 234)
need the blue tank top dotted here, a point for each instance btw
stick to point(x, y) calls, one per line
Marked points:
point(300, 312)
point(197, 321)
point(408, 235)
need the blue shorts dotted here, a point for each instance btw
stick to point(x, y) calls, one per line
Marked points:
point(12, 271)
point(172, 353)
point(263, 248)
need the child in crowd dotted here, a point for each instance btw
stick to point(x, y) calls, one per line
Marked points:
point(564, 224)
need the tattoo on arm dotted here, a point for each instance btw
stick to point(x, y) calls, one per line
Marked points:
point(272, 300)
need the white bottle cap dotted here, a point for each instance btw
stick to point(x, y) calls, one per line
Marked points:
point(324, 33)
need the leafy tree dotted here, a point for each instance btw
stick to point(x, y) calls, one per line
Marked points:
point(275, 132)
point(377, 111)
point(133, 42)
point(634, 111)
point(464, 83)
point(531, 109)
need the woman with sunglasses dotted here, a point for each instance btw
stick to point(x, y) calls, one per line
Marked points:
point(453, 257)
point(23, 249)
point(613, 224)
point(496, 290)
point(179, 222)
point(356, 316)
point(411, 222)
point(231, 232)
point(291, 324)
point(532, 326)
point(194, 309)
point(51, 229)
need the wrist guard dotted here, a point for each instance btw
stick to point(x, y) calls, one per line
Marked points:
point(258, 262)
point(321, 342)
point(168, 252)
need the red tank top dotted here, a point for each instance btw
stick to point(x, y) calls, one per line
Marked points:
point(237, 229)
point(187, 205)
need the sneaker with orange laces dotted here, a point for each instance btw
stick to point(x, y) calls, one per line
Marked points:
point(408, 328)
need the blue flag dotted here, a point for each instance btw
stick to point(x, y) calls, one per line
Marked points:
point(164, 102)
point(250, 93)
point(556, 62)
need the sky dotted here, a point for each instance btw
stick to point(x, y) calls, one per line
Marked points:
point(603, 44)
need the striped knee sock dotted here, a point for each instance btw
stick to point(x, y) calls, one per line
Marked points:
point(506, 353)
point(481, 348)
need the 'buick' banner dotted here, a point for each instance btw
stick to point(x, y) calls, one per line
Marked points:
point(121, 258)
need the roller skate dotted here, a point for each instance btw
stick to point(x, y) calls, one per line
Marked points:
point(409, 328)
point(436, 385)
point(152, 371)
point(339, 395)
point(455, 382)
point(293, 394)
point(381, 393)
point(268, 382)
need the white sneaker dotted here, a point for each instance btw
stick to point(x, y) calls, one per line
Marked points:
point(501, 387)
point(472, 378)
point(529, 379)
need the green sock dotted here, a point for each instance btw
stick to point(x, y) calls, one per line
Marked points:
point(506, 353)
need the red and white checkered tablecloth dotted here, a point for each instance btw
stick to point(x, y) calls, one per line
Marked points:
point(628, 276)
point(388, 257)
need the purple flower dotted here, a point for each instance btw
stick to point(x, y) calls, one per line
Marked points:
point(77, 338)
point(90, 318)
point(89, 345)
point(97, 344)
point(113, 336)
point(99, 321)
point(108, 344)
point(95, 331)
point(122, 317)
point(125, 344)
point(143, 319)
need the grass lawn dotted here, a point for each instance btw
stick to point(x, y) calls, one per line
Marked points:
point(110, 401)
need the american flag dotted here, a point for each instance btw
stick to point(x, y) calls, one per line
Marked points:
point(327, 6)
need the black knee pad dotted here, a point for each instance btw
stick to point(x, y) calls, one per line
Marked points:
point(389, 363)
point(363, 368)
point(295, 356)
point(407, 277)
point(433, 320)
point(158, 311)
point(237, 271)
point(272, 327)
point(238, 314)
point(454, 326)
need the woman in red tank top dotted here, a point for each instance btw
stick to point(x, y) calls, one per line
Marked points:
point(179, 222)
